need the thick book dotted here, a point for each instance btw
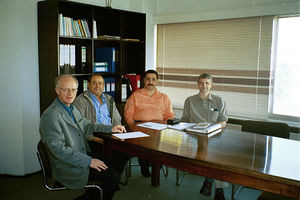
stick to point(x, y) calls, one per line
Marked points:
point(209, 131)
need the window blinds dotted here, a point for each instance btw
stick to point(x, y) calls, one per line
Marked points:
point(236, 52)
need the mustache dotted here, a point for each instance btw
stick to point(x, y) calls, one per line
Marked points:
point(150, 85)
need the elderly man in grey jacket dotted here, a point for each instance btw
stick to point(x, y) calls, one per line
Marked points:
point(62, 129)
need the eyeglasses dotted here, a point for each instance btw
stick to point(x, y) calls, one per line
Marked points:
point(65, 90)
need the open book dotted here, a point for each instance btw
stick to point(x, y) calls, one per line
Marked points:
point(209, 131)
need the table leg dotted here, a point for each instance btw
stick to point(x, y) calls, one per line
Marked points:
point(155, 174)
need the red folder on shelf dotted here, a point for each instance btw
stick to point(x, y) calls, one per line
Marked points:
point(135, 81)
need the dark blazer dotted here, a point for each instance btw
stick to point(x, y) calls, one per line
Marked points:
point(66, 145)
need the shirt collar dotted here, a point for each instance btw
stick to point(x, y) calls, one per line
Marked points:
point(67, 108)
point(103, 98)
point(209, 96)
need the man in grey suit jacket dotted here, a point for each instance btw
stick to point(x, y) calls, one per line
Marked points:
point(62, 129)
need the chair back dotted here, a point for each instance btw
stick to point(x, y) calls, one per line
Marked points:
point(44, 159)
point(276, 129)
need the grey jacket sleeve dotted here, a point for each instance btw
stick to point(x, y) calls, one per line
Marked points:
point(116, 117)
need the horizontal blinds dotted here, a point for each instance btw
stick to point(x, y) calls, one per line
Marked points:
point(236, 52)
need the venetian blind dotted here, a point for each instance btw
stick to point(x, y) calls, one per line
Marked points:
point(236, 52)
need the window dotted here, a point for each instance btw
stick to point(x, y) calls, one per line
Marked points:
point(285, 101)
point(236, 52)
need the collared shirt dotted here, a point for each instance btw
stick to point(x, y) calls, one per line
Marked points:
point(212, 109)
point(141, 106)
point(102, 112)
point(68, 109)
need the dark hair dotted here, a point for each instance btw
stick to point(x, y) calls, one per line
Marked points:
point(151, 71)
point(205, 75)
point(91, 76)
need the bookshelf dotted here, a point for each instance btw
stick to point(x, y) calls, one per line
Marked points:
point(128, 43)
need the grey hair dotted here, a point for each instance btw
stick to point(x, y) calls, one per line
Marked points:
point(57, 79)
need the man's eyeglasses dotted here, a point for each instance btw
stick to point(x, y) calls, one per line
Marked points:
point(65, 90)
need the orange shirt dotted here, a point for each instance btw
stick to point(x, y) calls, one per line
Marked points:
point(140, 106)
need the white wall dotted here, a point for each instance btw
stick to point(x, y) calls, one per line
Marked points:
point(19, 79)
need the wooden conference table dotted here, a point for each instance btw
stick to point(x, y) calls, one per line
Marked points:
point(258, 161)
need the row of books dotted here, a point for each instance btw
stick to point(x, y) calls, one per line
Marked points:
point(67, 58)
point(71, 27)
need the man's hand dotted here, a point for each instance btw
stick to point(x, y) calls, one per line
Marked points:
point(118, 129)
point(98, 165)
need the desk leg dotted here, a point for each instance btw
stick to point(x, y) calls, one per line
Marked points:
point(155, 174)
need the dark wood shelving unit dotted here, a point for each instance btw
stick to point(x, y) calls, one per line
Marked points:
point(130, 55)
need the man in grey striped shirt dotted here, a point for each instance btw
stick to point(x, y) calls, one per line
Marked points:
point(206, 107)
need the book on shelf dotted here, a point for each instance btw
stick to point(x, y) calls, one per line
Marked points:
point(130, 40)
point(85, 85)
point(67, 58)
point(83, 59)
point(94, 29)
point(110, 86)
point(209, 131)
point(108, 37)
point(100, 66)
point(71, 27)
point(106, 55)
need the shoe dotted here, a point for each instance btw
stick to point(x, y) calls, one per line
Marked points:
point(206, 188)
point(219, 196)
point(145, 171)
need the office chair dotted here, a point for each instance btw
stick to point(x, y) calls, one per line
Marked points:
point(46, 169)
point(276, 129)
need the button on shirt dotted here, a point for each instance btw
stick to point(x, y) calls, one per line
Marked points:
point(102, 113)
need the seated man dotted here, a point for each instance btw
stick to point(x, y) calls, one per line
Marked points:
point(147, 104)
point(206, 107)
point(100, 108)
point(62, 130)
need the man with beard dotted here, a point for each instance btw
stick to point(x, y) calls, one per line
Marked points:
point(147, 104)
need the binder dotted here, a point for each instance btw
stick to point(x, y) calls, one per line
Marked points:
point(100, 67)
point(135, 81)
point(113, 87)
point(106, 54)
point(72, 59)
point(61, 59)
point(83, 59)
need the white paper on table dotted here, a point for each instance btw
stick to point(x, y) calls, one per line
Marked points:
point(181, 125)
point(152, 125)
point(129, 135)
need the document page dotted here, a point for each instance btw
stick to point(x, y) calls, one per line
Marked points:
point(130, 135)
point(181, 125)
point(152, 125)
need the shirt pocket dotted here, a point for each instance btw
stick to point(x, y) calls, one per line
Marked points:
point(213, 115)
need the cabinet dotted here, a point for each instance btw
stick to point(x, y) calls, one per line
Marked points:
point(128, 45)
